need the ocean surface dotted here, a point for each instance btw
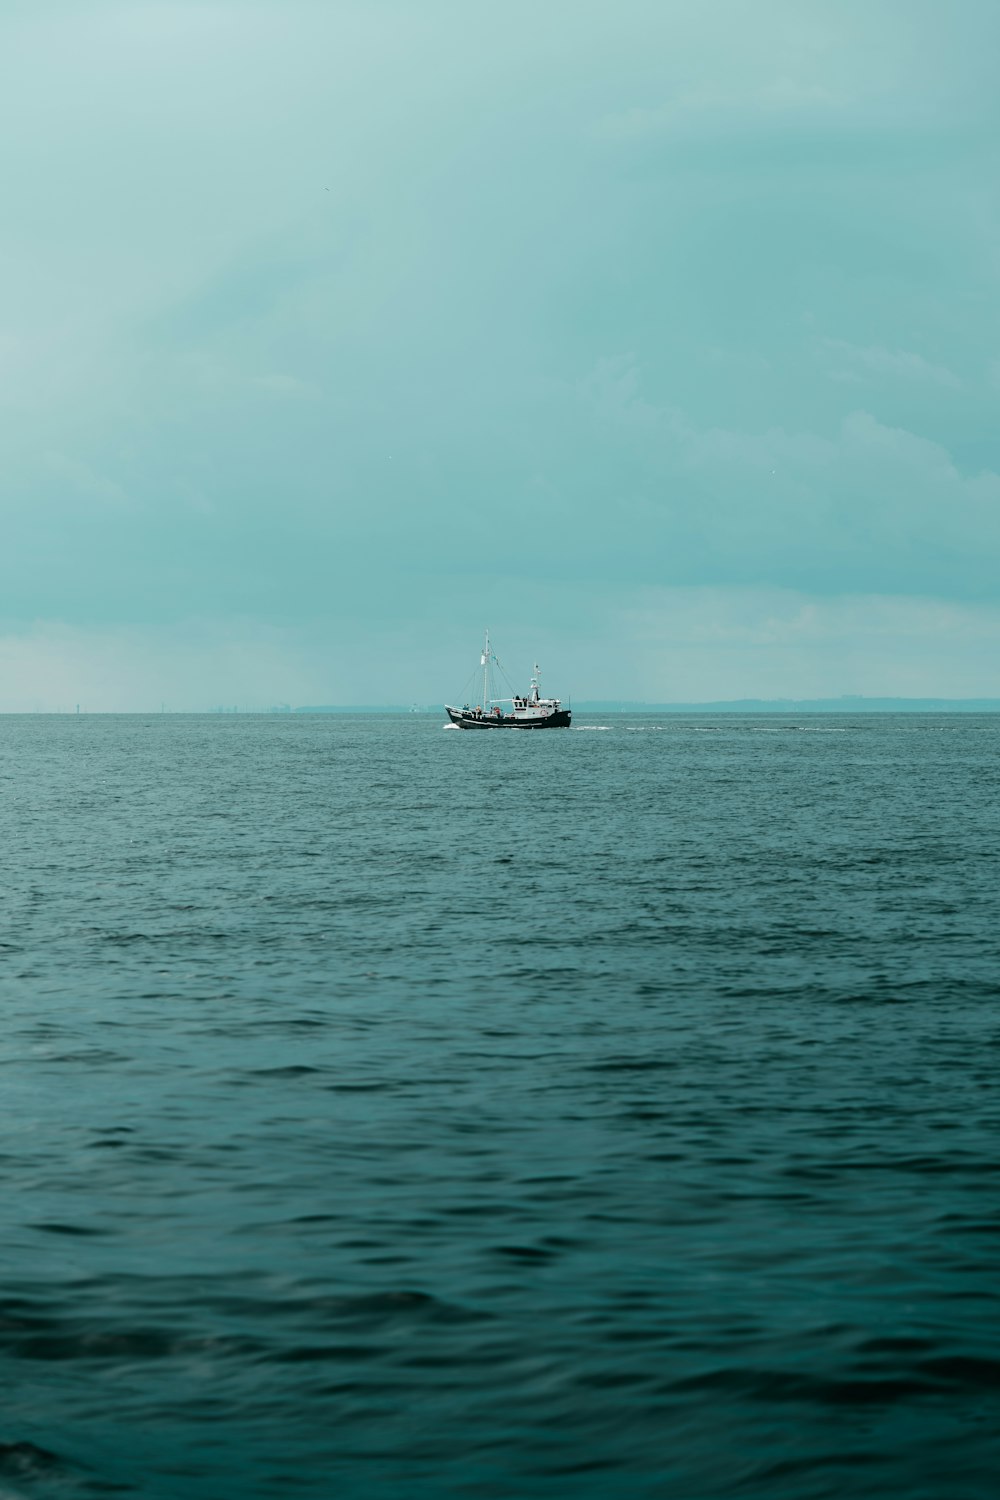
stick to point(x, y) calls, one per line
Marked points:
point(404, 1113)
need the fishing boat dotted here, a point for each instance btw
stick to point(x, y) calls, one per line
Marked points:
point(520, 711)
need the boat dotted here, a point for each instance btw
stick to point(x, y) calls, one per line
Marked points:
point(525, 711)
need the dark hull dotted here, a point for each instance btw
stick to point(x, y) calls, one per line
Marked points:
point(558, 720)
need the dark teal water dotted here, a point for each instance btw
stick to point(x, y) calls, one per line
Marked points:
point(391, 1112)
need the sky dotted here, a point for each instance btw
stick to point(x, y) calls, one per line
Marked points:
point(659, 336)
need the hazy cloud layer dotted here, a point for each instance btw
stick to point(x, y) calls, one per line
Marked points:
point(331, 332)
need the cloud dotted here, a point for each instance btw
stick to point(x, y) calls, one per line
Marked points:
point(699, 645)
point(315, 314)
point(865, 506)
point(853, 363)
point(776, 101)
point(195, 665)
point(81, 479)
point(650, 644)
point(278, 383)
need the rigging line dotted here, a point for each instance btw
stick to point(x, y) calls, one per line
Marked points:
point(470, 686)
point(503, 674)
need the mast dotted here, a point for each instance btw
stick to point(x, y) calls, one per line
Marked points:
point(486, 667)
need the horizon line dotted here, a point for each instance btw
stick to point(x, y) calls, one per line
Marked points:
point(842, 703)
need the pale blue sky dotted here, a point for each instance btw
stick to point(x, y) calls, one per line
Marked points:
point(661, 337)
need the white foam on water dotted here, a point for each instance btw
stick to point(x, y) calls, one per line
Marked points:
point(792, 729)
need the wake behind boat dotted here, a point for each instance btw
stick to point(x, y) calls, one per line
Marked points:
point(527, 711)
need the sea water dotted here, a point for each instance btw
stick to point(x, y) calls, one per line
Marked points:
point(398, 1113)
